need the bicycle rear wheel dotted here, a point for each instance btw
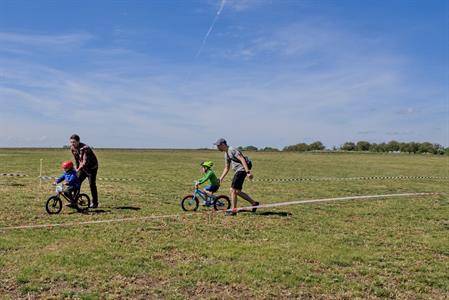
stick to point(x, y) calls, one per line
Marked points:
point(189, 203)
point(222, 203)
point(83, 201)
point(53, 205)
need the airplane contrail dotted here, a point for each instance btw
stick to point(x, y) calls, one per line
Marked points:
point(222, 4)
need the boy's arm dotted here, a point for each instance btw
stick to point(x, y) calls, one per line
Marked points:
point(59, 179)
point(205, 177)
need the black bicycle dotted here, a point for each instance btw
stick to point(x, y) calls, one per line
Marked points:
point(54, 203)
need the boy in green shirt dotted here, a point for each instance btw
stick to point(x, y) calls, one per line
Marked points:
point(209, 175)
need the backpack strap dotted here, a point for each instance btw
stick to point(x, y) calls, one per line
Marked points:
point(237, 160)
point(234, 159)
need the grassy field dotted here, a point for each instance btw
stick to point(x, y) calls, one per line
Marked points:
point(394, 248)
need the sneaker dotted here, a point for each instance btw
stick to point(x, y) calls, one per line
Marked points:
point(93, 205)
point(255, 204)
point(232, 212)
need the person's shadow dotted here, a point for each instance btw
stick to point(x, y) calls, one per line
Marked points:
point(102, 211)
point(87, 211)
point(275, 213)
point(268, 213)
point(127, 207)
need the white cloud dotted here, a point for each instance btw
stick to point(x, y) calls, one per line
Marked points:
point(407, 111)
point(36, 40)
point(243, 5)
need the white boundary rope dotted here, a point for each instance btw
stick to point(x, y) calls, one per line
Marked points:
point(278, 179)
point(367, 197)
point(12, 175)
point(248, 208)
point(350, 178)
point(89, 222)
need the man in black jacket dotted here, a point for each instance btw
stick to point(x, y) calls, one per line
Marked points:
point(86, 165)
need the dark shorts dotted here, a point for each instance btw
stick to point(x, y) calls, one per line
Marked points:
point(212, 188)
point(237, 181)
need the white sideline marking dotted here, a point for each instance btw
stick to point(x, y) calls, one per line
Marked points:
point(367, 197)
point(89, 222)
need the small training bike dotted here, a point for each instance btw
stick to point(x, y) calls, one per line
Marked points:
point(191, 202)
point(54, 203)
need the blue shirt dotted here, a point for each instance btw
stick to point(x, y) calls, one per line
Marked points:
point(71, 178)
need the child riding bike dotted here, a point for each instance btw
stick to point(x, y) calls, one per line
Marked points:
point(71, 182)
point(209, 175)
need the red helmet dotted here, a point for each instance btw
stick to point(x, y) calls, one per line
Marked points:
point(68, 164)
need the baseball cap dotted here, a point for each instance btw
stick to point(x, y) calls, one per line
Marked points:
point(220, 141)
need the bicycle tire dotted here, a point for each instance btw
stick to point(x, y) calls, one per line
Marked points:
point(222, 202)
point(53, 205)
point(83, 201)
point(189, 203)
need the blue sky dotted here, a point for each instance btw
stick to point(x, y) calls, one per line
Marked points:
point(183, 73)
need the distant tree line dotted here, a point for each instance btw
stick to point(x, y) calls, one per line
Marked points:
point(392, 146)
point(361, 146)
point(254, 148)
point(395, 146)
point(303, 147)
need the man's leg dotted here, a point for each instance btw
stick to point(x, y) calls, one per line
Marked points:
point(81, 176)
point(233, 198)
point(93, 186)
point(246, 197)
point(236, 187)
point(249, 199)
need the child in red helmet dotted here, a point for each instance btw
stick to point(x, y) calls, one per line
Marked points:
point(71, 182)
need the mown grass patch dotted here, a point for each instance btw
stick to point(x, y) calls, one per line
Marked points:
point(391, 248)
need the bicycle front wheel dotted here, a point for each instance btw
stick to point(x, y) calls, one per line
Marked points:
point(222, 203)
point(83, 201)
point(189, 203)
point(53, 205)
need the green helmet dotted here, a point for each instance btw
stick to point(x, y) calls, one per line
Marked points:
point(207, 164)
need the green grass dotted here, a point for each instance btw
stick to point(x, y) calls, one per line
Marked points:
point(390, 248)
